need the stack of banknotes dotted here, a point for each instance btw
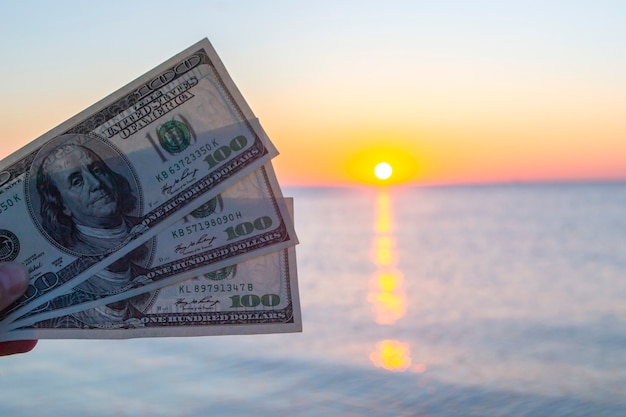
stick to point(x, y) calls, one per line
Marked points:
point(155, 212)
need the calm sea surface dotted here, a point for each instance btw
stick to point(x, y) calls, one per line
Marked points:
point(455, 301)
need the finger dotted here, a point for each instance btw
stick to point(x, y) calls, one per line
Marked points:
point(13, 282)
point(16, 346)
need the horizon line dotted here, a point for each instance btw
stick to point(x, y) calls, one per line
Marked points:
point(608, 181)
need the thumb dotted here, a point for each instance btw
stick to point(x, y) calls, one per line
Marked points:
point(13, 282)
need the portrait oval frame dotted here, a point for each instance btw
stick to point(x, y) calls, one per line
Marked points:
point(113, 157)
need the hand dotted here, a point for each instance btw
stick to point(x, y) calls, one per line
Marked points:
point(13, 283)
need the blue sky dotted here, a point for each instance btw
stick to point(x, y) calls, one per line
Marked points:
point(428, 73)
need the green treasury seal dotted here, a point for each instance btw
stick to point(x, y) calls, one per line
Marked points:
point(174, 136)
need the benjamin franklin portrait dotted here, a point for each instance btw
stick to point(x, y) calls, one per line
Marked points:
point(87, 208)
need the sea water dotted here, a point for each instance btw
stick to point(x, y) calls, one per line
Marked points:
point(440, 301)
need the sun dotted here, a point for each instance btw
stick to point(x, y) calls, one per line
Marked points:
point(383, 171)
point(382, 167)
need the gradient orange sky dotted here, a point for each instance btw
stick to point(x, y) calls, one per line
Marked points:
point(452, 92)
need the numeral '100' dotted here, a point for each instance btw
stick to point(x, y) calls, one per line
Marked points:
point(223, 152)
point(245, 228)
point(253, 300)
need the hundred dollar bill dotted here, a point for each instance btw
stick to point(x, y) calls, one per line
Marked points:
point(246, 220)
point(125, 168)
point(256, 296)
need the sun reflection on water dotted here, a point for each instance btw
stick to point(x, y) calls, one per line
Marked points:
point(384, 253)
point(392, 355)
point(386, 294)
point(383, 215)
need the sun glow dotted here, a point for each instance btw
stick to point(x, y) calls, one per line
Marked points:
point(383, 167)
point(383, 171)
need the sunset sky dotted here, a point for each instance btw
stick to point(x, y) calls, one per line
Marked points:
point(446, 92)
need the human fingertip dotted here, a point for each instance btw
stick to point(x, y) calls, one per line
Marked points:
point(16, 346)
point(13, 279)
